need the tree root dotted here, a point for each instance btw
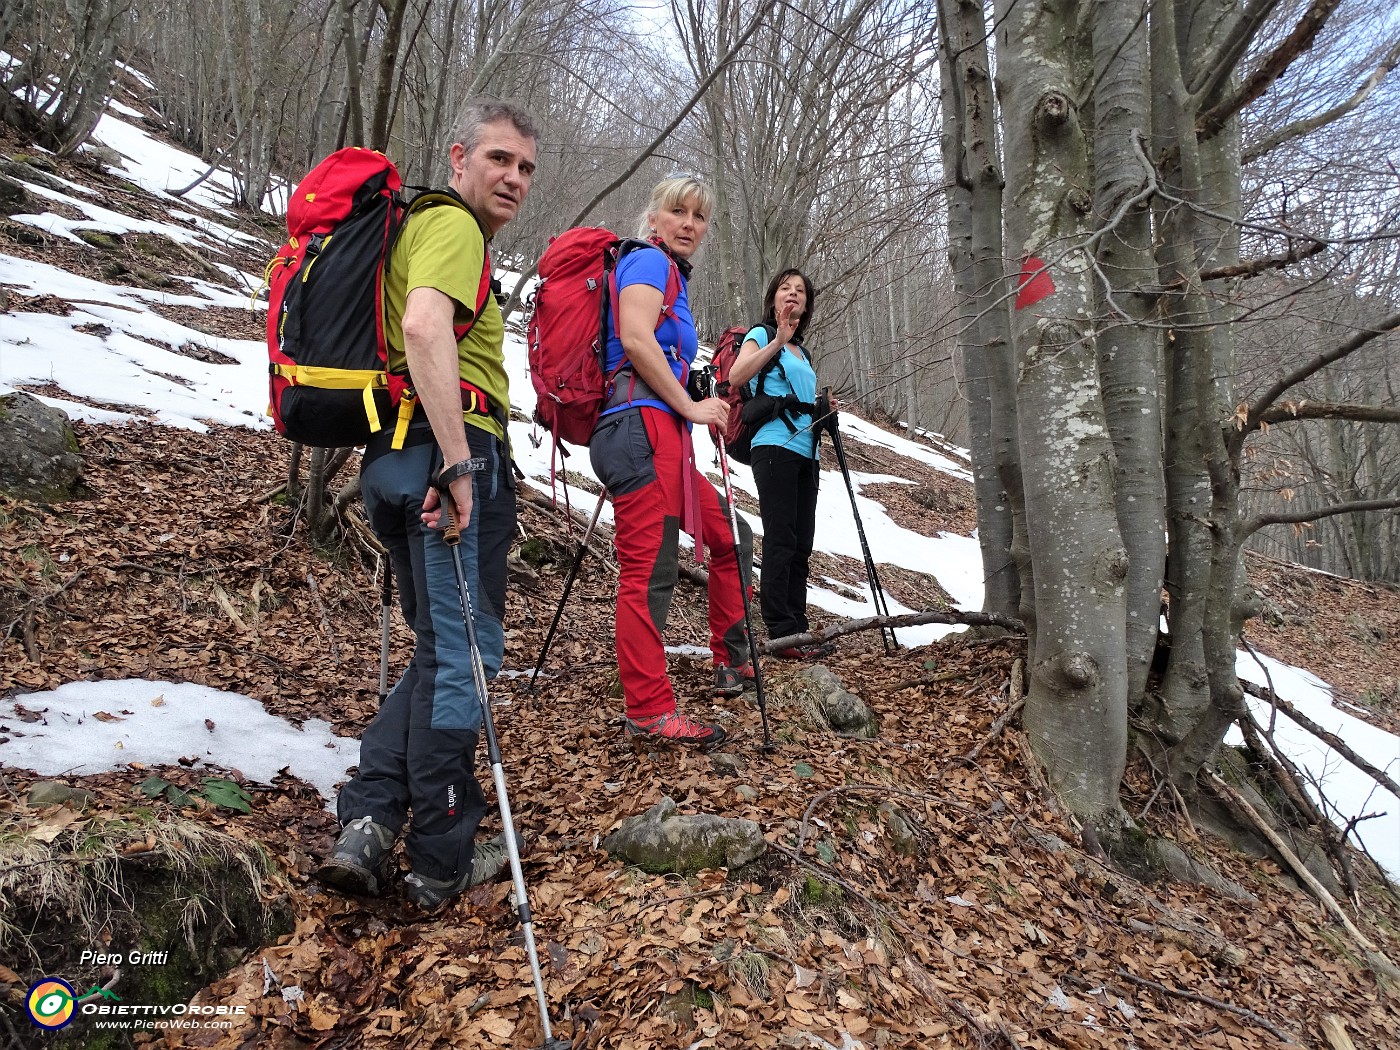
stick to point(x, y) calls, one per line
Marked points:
point(1172, 926)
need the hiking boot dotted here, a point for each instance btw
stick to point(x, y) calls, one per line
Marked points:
point(674, 728)
point(489, 859)
point(731, 681)
point(359, 860)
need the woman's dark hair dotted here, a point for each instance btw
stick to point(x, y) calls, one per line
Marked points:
point(770, 316)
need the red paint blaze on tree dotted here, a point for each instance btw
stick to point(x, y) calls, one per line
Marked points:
point(1035, 283)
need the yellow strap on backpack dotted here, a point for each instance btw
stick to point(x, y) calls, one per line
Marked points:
point(406, 406)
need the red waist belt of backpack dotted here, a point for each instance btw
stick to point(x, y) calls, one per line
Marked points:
point(474, 403)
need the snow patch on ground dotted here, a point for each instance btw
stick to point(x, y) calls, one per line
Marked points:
point(91, 727)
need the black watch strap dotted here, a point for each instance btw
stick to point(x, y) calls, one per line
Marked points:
point(447, 475)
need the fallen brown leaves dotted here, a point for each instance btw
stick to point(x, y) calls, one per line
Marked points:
point(961, 923)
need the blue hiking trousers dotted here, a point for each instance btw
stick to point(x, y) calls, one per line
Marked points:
point(418, 753)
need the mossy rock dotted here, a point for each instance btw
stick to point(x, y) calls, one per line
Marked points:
point(151, 279)
point(30, 171)
point(539, 551)
point(37, 160)
point(110, 242)
point(38, 451)
point(680, 1006)
point(170, 903)
point(662, 841)
point(22, 233)
point(821, 693)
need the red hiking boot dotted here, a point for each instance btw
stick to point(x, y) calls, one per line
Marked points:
point(674, 728)
point(811, 651)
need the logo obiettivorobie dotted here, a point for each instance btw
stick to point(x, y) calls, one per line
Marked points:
point(50, 1003)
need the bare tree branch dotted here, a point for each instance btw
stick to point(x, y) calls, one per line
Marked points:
point(1331, 739)
point(1254, 267)
point(1216, 68)
point(1329, 410)
point(1260, 521)
point(754, 23)
point(869, 623)
point(1311, 124)
point(1265, 400)
point(1274, 66)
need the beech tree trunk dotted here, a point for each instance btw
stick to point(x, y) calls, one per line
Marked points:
point(1076, 702)
point(973, 165)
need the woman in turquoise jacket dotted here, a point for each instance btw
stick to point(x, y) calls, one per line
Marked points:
point(786, 467)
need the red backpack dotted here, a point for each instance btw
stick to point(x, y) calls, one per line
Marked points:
point(326, 345)
point(568, 331)
point(747, 413)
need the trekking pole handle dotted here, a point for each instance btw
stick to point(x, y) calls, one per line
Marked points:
point(452, 531)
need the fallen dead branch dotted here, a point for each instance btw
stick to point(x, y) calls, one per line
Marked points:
point(1206, 1000)
point(917, 619)
point(877, 789)
point(1377, 959)
point(1018, 701)
point(1329, 738)
point(325, 617)
point(35, 604)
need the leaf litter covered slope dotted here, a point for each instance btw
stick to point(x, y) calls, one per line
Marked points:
point(947, 917)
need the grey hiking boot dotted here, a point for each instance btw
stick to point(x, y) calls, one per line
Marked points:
point(359, 861)
point(489, 859)
point(732, 681)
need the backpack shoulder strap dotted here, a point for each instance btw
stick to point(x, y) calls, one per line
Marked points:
point(669, 294)
point(427, 197)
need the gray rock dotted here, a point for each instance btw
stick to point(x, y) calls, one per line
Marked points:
point(660, 841)
point(13, 197)
point(847, 714)
point(747, 793)
point(101, 156)
point(726, 764)
point(38, 450)
point(902, 834)
point(52, 793)
point(28, 170)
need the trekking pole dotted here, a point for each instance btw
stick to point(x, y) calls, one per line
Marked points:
point(708, 381)
point(386, 598)
point(452, 536)
point(877, 592)
point(568, 586)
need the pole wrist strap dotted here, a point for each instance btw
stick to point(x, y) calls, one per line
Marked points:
point(447, 475)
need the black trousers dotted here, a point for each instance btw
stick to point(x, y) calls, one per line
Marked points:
point(787, 502)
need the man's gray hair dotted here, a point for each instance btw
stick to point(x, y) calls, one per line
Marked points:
point(481, 110)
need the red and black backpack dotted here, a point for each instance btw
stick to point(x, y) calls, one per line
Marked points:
point(568, 331)
point(328, 354)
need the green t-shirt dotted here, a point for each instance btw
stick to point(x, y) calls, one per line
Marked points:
point(443, 247)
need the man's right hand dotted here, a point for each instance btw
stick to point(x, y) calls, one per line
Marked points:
point(433, 515)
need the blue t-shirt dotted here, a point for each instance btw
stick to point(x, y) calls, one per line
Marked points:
point(650, 266)
point(798, 377)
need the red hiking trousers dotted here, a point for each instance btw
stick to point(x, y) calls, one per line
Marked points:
point(648, 495)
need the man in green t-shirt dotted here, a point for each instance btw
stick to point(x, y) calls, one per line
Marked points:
point(418, 753)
